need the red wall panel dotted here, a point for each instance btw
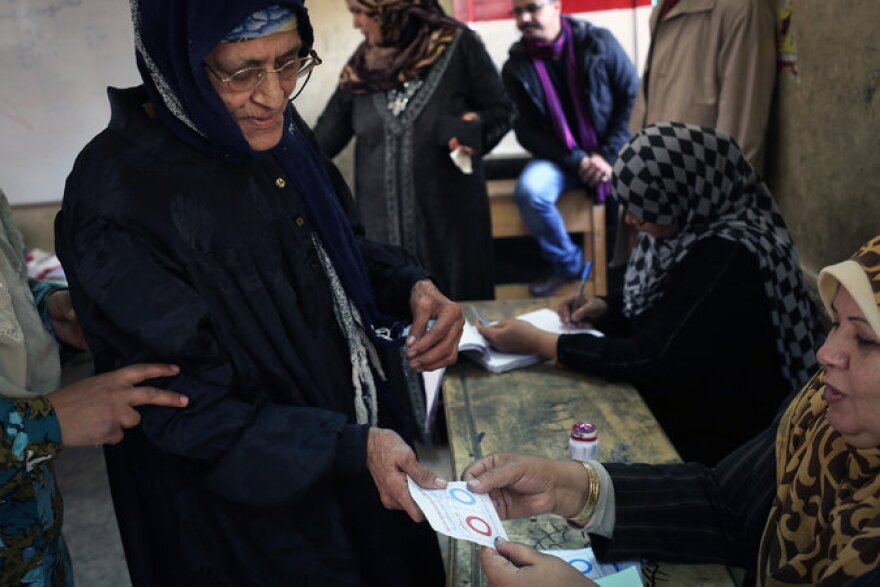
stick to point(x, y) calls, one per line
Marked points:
point(476, 10)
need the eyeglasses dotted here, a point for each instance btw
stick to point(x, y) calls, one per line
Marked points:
point(530, 8)
point(249, 78)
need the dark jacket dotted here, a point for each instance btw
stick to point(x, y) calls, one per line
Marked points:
point(703, 357)
point(611, 85)
point(174, 256)
point(690, 513)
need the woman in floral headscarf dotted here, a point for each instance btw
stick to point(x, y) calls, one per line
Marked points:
point(817, 471)
point(714, 316)
point(420, 88)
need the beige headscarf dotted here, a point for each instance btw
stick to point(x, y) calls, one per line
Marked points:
point(29, 363)
point(824, 524)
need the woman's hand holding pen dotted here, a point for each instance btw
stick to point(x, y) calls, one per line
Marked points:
point(587, 314)
point(518, 336)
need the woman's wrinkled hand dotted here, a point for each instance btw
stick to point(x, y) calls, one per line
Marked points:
point(390, 460)
point(438, 347)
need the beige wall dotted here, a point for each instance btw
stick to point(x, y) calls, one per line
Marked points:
point(335, 41)
point(824, 165)
point(36, 223)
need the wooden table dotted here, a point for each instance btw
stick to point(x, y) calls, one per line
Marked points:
point(531, 411)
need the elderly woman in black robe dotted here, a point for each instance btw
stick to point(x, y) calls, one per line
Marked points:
point(203, 228)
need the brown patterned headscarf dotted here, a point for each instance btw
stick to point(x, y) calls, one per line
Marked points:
point(415, 33)
point(824, 524)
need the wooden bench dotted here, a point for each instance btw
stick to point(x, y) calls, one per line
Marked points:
point(580, 213)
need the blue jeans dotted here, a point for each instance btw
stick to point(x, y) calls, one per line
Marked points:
point(537, 190)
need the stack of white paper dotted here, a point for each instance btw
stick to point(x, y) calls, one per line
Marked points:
point(475, 347)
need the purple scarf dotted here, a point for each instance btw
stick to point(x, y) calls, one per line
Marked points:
point(540, 51)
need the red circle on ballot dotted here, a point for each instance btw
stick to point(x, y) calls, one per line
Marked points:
point(470, 520)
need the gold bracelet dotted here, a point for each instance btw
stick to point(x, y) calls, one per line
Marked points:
point(592, 499)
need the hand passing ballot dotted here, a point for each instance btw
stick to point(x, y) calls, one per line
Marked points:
point(458, 512)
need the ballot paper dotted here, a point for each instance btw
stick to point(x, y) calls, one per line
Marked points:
point(621, 574)
point(457, 512)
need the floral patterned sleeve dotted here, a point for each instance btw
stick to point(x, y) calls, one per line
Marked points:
point(30, 435)
point(41, 291)
point(32, 549)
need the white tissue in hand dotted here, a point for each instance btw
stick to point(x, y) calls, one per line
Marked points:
point(462, 160)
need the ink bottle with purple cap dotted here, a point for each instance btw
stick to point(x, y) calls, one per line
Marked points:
point(583, 444)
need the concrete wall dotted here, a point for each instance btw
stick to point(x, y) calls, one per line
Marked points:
point(335, 41)
point(824, 163)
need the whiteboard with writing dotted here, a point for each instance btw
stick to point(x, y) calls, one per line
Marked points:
point(57, 58)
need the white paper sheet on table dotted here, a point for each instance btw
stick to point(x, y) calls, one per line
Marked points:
point(433, 381)
point(608, 574)
point(629, 577)
point(458, 513)
point(474, 346)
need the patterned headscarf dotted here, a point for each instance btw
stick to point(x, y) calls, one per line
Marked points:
point(824, 524)
point(275, 19)
point(698, 179)
point(172, 39)
point(415, 33)
point(861, 278)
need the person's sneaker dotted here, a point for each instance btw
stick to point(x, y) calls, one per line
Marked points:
point(549, 285)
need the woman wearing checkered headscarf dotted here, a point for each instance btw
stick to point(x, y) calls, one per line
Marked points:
point(698, 180)
point(714, 326)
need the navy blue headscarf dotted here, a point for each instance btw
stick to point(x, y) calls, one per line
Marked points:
point(172, 39)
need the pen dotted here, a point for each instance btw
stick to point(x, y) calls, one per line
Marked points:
point(479, 317)
point(579, 300)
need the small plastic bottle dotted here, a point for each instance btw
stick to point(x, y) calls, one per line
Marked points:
point(583, 444)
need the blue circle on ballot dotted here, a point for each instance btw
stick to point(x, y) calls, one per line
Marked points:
point(576, 562)
point(466, 499)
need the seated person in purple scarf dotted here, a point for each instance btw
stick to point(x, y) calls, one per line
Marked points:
point(202, 228)
point(574, 88)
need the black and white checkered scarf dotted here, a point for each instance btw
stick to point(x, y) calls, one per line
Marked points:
point(698, 179)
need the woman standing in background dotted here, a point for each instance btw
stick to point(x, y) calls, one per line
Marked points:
point(419, 88)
